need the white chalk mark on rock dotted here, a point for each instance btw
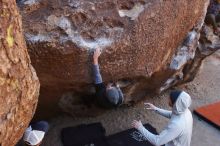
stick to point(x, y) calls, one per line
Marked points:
point(37, 38)
point(30, 2)
point(74, 36)
point(74, 3)
point(132, 13)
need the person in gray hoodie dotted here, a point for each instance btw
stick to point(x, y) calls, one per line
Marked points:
point(178, 132)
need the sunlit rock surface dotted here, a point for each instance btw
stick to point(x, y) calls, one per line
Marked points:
point(19, 84)
point(146, 44)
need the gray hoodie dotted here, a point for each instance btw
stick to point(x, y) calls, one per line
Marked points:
point(178, 132)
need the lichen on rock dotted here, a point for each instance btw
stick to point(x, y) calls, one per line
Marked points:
point(9, 37)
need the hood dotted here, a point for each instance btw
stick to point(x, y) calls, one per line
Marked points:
point(182, 103)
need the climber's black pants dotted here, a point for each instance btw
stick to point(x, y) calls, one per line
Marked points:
point(212, 19)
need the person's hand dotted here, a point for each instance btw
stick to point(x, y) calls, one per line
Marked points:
point(150, 106)
point(136, 124)
point(96, 55)
point(117, 85)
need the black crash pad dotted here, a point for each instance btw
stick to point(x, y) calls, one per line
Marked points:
point(84, 135)
point(94, 135)
point(130, 137)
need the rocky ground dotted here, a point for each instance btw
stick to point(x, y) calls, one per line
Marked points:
point(204, 90)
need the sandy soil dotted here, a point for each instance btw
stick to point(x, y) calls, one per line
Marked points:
point(204, 90)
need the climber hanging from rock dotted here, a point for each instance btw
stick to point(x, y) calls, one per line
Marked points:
point(109, 96)
point(179, 130)
point(213, 15)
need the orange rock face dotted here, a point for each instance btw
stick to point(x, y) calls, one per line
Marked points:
point(138, 38)
point(19, 84)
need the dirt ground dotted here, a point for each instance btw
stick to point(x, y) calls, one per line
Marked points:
point(203, 90)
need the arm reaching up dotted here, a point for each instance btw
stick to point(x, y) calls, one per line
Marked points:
point(96, 72)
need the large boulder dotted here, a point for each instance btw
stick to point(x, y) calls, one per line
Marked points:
point(145, 43)
point(19, 85)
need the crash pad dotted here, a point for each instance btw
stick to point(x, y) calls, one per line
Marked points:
point(210, 113)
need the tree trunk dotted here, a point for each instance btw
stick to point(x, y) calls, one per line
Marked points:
point(19, 85)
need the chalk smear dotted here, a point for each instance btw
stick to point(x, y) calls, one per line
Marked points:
point(132, 13)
